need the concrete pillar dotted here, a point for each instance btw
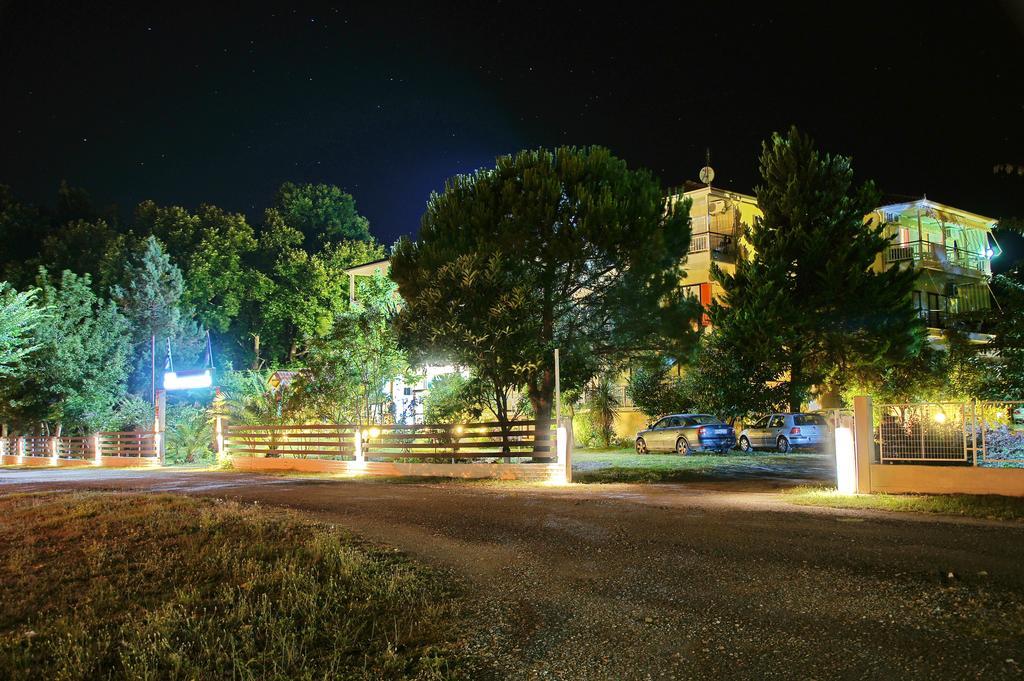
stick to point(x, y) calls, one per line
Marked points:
point(864, 441)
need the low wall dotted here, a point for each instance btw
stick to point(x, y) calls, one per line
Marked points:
point(106, 462)
point(903, 479)
point(43, 461)
point(535, 472)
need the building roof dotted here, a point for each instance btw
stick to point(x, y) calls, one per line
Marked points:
point(368, 269)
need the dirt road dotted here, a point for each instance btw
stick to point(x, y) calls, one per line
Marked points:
point(672, 581)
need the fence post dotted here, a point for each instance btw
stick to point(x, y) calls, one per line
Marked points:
point(864, 441)
point(21, 449)
point(53, 450)
point(97, 457)
point(569, 444)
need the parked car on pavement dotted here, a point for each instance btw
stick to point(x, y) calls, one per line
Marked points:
point(686, 434)
point(783, 432)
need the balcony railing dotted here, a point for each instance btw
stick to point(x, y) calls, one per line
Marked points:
point(716, 242)
point(928, 252)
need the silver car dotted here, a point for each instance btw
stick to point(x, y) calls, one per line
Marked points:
point(685, 434)
point(783, 432)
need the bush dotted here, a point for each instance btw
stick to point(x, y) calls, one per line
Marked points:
point(189, 434)
point(450, 399)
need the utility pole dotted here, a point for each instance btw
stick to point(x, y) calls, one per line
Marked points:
point(152, 359)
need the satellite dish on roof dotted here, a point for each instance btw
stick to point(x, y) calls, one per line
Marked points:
point(706, 174)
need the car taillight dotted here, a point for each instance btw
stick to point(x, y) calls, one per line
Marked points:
point(794, 430)
point(701, 431)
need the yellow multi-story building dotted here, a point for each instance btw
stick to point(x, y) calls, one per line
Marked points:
point(951, 249)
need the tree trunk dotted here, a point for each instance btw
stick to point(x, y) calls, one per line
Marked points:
point(256, 352)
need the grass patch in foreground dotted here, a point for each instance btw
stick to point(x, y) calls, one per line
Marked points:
point(970, 505)
point(119, 586)
point(624, 465)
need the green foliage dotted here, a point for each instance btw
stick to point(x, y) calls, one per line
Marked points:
point(819, 310)
point(992, 370)
point(451, 399)
point(347, 370)
point(567, 249)
point(323, 214)
point(211, 248)
point(189, 434)
point(299, 293)
point(729, 384)
point(19, 316)
point(600, 404)
point(77, 375)
point(249, 400)
point(654, 391)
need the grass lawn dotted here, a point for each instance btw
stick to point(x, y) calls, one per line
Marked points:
point(120, 586)
point(625, 465)
point(972, 505)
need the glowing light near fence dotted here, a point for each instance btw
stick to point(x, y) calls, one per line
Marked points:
point(98, 460)
point(846, 462)
point(940, 417)
point(190, 380)
point(359, 465)
point(558, 477)
point(374, 432)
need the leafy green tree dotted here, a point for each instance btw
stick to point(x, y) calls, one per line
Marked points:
point(19, 316)
point(22, 226)
point(212, 248)
point(151, 299)
point(567, 249)
point(450, 399)
point(348, 370)
point(77, 375)
point(719, 381)
point(77, 245)
point(600, 404)
point(323, 213)
point(299, 294)
point(809, 290)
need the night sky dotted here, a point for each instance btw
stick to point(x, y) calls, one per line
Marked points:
point(188, 104)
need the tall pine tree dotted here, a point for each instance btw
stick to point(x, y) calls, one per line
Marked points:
point(810, 297)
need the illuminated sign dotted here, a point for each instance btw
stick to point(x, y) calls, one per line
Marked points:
point(188, 380)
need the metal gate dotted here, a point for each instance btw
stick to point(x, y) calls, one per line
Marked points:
point(980, 433)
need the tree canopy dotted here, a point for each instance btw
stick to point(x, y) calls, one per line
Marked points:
point(564, 249)
point(808, 297)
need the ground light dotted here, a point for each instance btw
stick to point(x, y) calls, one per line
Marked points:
point(562, 448)
point(846, 462)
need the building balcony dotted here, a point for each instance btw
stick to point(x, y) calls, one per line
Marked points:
point(953, 260)
point(719, 244)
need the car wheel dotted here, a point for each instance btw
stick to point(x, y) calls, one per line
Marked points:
point(745, 445)
point(782, 445)
point(641, 446)
point(683, 447)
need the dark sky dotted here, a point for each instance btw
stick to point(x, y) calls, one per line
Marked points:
point(221, 102)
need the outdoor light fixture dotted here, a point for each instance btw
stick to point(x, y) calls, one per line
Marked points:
point(989, 253)
point(374, 432)
point(846, 462)
point(188, 380)
point(940, 417)
point(561, 448)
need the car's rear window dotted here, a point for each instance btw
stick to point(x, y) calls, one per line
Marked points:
point(808, 420)
point(702, 419)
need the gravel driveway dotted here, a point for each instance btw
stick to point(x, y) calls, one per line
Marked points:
point(672, 581)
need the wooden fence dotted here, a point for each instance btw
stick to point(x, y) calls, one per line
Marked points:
point(470, 441)
point(129, 444)
point(121, 448)
point(520, 450)
point(305, 441)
